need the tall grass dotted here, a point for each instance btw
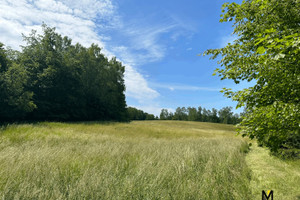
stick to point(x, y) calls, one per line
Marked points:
point(272, 173)
point(138, 160)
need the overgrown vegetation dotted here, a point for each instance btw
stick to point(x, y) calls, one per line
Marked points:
point(267, 52)
point(138, 160)
point(52, 79)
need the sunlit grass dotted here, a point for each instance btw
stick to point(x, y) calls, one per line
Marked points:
point(271, 173)
point(138, 160)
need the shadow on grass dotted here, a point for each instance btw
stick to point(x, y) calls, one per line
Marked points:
point(5, 125)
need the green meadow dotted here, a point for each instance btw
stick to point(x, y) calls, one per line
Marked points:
point(138, 160)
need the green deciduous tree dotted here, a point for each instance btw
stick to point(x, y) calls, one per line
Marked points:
point(266, 52)
point(192, 114)
point(136, 114)
point(15, 99)
point(199, 114)
point(54, 76)
point(215, 117)
point(204, 115)
point(181, 113)
point(226, 115)
point(61, 80)
point(164, 114)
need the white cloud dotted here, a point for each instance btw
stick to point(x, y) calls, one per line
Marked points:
point(143, 38)
point(21, 16)
point(174, 87)
point(142, 43)
point(138, 87)
point(154, 109)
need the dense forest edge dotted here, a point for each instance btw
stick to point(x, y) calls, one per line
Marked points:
point(51, 79)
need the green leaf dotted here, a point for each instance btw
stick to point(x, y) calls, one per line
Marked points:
point(261, 50)
point(278, 56)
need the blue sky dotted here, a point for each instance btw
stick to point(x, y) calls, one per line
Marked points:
point(157, 41)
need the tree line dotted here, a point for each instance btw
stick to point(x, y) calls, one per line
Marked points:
point(136, 114)
point(52, 79)
point(224, 115)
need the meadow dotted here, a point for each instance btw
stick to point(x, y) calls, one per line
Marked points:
point(138, 160)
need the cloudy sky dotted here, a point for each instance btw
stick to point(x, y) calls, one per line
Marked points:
point(158, 42)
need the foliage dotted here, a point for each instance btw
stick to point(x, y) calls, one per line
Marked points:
point(15, 99)
point(225, 115)
point(52, 79)
point(181, 113)
point(192, 114)
point(166, 115)
point(266, 52)
point(136, 114)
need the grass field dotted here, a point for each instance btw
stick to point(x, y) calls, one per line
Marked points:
point(137, 160)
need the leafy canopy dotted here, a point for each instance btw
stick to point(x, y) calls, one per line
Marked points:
point(266, 52)
point(52, 79)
